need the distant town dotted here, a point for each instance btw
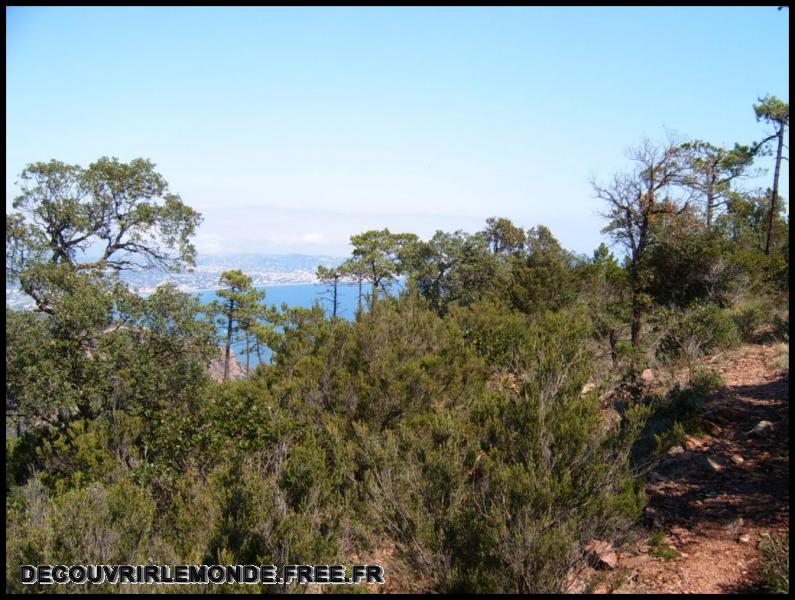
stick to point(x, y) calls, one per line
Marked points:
point(264, 269)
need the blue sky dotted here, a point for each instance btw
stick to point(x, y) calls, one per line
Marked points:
point(291, 129)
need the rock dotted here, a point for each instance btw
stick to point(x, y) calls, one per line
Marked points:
point(574, 584)
point(647, 377)
point(692, 443)
point(761, 429)
point(610, 419)
point(737, 459)
point(744, 539)
point(601, 554)
point(674, 450)
point(680, 532)
point(237, 370)
point(712, 429)
point(587, 388)
point(578, 580)
point(735, 524)
point(632, 562)
point(653, 517)
point(709, 464)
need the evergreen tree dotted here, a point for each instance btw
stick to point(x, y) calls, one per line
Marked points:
point(237, 310)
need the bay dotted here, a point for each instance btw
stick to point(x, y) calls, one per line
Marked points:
point(299, 295)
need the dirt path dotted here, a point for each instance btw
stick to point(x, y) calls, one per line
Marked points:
point(717, 499)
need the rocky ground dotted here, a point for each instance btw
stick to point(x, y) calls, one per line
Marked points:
point(236, 369)
point(713, 500)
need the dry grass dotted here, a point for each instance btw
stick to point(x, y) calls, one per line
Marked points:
point(781, 357)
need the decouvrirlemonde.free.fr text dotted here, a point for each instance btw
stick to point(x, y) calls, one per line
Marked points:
point(200, 574)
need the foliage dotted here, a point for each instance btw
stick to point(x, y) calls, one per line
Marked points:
point(749, 317)
point(696, 331)
point(124, 209)
point(377, 257)
point(240, 313)
point(545, 278)
point(660, 549)
point(775, 564)
point(448, 430)
point(453, 268)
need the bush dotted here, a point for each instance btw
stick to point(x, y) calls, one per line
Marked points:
point(659, 549)
point(775, 565)
point(674, 416)
point(749, 318)
point(93, 525)
point(697, 331)
point(514, 485)
point(675, 436)
point(781, 326)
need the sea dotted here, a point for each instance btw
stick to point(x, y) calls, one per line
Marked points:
point(294, 295)
point(299, 295)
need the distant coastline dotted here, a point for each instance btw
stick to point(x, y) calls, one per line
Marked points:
point(267, 270)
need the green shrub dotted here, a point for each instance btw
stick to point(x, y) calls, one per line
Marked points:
point(675, 415)
point(675, 436)
point(515, 484)
point(749, 318)
point(775, 564)
point(781, 326)
point(687, 403)
point(93, 525)
point(697, 331)
point(659, 549)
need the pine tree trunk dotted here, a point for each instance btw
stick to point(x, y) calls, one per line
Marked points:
point(774, 197)
point(710, 202)
point(248, 354)
point(228, 342)
point(334, 308)
point(614, 347)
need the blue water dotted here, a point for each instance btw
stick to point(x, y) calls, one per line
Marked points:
point(305, 295)
point(300, 295)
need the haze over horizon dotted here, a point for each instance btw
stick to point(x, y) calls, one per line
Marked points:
point(290, 129)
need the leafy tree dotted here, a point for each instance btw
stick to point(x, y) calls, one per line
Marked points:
point(504, 236)
point(376, 254)
point(604, 288)
point(710, 170)
point(122, 210)
point(452, 267)
point(635, 202)
point(544, 278)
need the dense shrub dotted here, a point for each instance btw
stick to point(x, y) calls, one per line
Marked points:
point(749, 317)
point(513, 486)
point(697, 331)
point(91, 525)
point(443, 431)
point(781, 326)
point(674, 415)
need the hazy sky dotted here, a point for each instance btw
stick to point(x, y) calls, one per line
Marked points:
point(291, 129)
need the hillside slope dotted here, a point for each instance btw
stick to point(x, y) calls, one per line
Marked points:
point(715, 502)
